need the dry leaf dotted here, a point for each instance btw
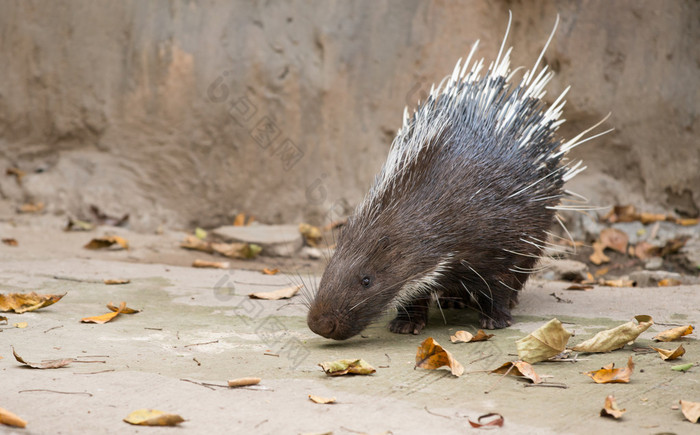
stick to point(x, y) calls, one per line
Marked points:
point(21, 325)
point(347, 366)
point(432, 356)
point(602, 271)
point(31, 207)
point(622, 213)
point(321, 400)
point(644, 250)
point(211, 264)
point(691, 410)
point(104, 318)
point(104, 219)
point(583, 287)
point(614, 239)
point(200, 233)
point(519, 368)
point(192, 242)
point(467, 337)
point(673, 333)
point(647, 218)
point(688, 222)
point(547, 341)
point(284, 293)
point(610, 409)
point(18, 174)
point(78, 225)
point(609, 374)
point(312, 235)
point(10, 242)
point(618, 283)
point(598, 257)
point(668, 355)
point(243, 382)
point(52, 364)
point(268, 271)
point(615, 338)
point(496, 422)
point(668, 282)
point(106, 242)
point(237, 250)
point(3, 319)
point(23, 302)
point(241, 220)
point(153, 417)
point(125, 310)
point(116, 281)
point(673, 246)
point(10, 419)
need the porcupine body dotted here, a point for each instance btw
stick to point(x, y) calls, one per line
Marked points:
point(460, 210)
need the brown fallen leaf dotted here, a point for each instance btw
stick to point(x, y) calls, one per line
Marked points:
point(17, 173)
point(321, 400)
point(614, 239)
point(211, 264)
point(496, 422)
point(598, 257)
point(602, 271)
point(347, 366)
point(467, 337)
point(543, 343)
point(106, 242)
point(125, 310)
point(284, 293)
point(312, 235)
point(673, 246)
point(688, 222)
point(242, 220)
point(21, 325)
point(432, 356)
point(23, 302)
point(237, 250)
point(243, 382)
point(78, 225)
point(116, 281)
point(621, 213)
point(11, 419)
point(644, 250)
point(609, 374)
point(648, 218)
point(691, 410)
point(104, 318)
point(584, 287)
point(610, 409)
point(673, 333)
point(196, 244)
point(153, 417)
point(519, 368)
point(31, 207)
point(615, 338)
point(268, 271)
point(3, 319)
point(617, 283)
point(52, 364)
point(669, 282)
point(104, 219)
point(10, 242)
point(668, 355)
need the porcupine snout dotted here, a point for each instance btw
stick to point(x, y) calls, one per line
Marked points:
point(322, 325)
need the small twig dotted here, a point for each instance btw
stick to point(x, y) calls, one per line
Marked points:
point(271, 354)
point(201, 344)
point(94, 361)
point(94, 373)
point(198, 383)
point(70, 278)
point(154, 329)
point(197, 361)
point(261, 283)
point(479, 359)
point(436, 414)
point(499, 379)
point(553, 385)
point(264, 421)
point(93, 356)
point(54, 391)
point(55, 327)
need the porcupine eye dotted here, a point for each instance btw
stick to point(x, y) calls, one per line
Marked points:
point(366, 281)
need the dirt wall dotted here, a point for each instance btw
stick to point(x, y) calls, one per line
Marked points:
point(184, 112)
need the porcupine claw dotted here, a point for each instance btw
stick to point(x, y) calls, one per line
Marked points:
point(412, 318)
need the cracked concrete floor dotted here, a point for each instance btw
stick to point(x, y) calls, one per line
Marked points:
point(198, 325)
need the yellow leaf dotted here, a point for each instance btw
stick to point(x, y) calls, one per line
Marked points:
point(321, 400)
point(691, 410)
point(311, 234)
point(673, 333)
point(23, 302)
point(21, 325)
point(125, 310)
point(609, 374)
point(106, 242)
point(211, 264)
point(116, 281)
point(104, 318)
point(610, 409)
point(467, 337)
point(153, 417)
point(268, 271)
point(243, 382)
point(615, 338)
point(544, 343)
point(598, 257)
point(10, 419)
point(284, 293)
point(669, 282)
point(670, 354)
point(347, 366)
point(432, 356)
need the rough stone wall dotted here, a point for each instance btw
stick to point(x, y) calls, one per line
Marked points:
point(184, 112)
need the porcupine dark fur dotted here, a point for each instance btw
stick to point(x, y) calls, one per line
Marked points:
point(460, 210)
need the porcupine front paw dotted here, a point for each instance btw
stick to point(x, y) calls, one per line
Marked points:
point(497, 319)
point(411, 319)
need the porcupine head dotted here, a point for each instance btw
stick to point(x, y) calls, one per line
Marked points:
point(461, 208)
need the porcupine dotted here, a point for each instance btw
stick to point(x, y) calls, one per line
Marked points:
point(461, 208)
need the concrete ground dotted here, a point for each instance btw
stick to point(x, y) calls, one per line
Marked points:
point(198, 325)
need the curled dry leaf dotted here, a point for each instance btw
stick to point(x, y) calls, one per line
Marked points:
point(644, 250)
point(618, 283)
point(648, 218)
point(21, 325)
point(284, 293)
point(691, 410)
point(31, 207)
point(11, 419)
point(10, 242)
point(598, 257)
point(106, 242)
point(432, 356)
point(104, 318)
point(196, 244)
point(614, 239)
point(18, 174)
point(519, 368)
point(668, 355)
point(610, 409)
point(23, 302)
point(584, 287)
point(268, 271)
point(673, 333)
point(202, 264)
point(153, 417)
point(609, 374)
point(116, 281)
point(688, 222)
point(237, 250)
point(78, 225)
point(669, 282)
point(52, 364)
point(125, 310)
point(312, 235)
point(243, 382)
point(242, 220)
point(615, 338)
point(547, 341)
point(467, 337)
point(347, 366)
point(621, 213)
point(321, 400)
point(3, 319)
point(491, 419)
